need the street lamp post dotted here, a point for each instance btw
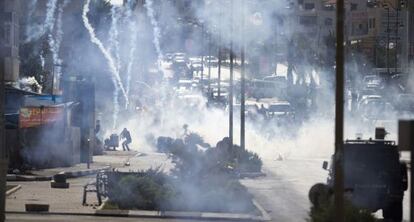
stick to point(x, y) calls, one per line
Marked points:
point(388, 39)
point(396, 37)
point(3, 153)
point(231, 77)
point(219, 71)
point(242, 84)
point(209, 64)
point(202, 52)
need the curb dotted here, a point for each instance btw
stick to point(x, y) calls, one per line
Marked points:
point(13, 190)
point(69, 174)
point(81, 173)
point(186, 214)
point(265, 216)
point(14, 177)
point(180, 215)
point(251, 175)
point(168, 214)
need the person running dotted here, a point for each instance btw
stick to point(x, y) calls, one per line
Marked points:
point(127, 136)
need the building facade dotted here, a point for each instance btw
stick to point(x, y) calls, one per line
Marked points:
point(9, 38)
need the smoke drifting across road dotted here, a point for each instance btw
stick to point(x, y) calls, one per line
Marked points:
point(165, 114)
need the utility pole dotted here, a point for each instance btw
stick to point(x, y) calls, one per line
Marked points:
point(3, 156)
point(397, 24)
point(231, 78)
point(339, 115)
point(219, 70)
point(388, 39)
point(410, 30)
point(242, 84)
point(219, 62)
point(202, 52)
point(209, 64)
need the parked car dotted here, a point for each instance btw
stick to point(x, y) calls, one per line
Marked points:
point(212, 60)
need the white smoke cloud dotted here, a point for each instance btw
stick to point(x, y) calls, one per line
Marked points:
point(156, 31)
point(133, 28)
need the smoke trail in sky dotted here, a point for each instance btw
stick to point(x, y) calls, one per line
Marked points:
point(56, 41)
point(50, 15)
point(114, 49)
point(115, 72)
point(156, 30)
point(49, 27)
point(114, 36)
point(133, 43)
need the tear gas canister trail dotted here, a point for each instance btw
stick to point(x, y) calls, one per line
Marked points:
point(114, 71)
point(156, 30)
point(133, 43)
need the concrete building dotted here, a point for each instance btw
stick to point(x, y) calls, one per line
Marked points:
point(370, 27)
point(9, 38)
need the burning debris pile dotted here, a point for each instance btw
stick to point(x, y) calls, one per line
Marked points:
point(203, 179)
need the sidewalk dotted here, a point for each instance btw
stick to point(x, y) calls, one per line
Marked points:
point(111, 159)
point(70, 200)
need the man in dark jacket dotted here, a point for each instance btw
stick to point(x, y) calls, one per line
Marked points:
point(127, 136)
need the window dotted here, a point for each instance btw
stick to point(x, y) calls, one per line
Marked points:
point(371, 23)
point(308, 20)
point(309, 6)
point(354, 6)
point(328, 22)
point(7, 34)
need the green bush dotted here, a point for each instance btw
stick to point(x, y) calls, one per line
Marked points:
point(202, 180)
point(149, 192)
point(325, 213)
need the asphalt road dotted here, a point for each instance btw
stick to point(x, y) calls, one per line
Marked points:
point(284, 191)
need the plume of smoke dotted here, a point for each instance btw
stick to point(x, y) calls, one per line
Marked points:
point(49, 26)
point(55, 43)
point(50, 15)
point(114, 35)
point(42, 60)
point(114, 48)
point(115, 72)
point(156, 31)
point(30, 84)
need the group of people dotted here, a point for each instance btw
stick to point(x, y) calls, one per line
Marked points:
point(125, 135)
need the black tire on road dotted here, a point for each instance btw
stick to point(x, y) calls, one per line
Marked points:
point(394, 212)
point(318, 194)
